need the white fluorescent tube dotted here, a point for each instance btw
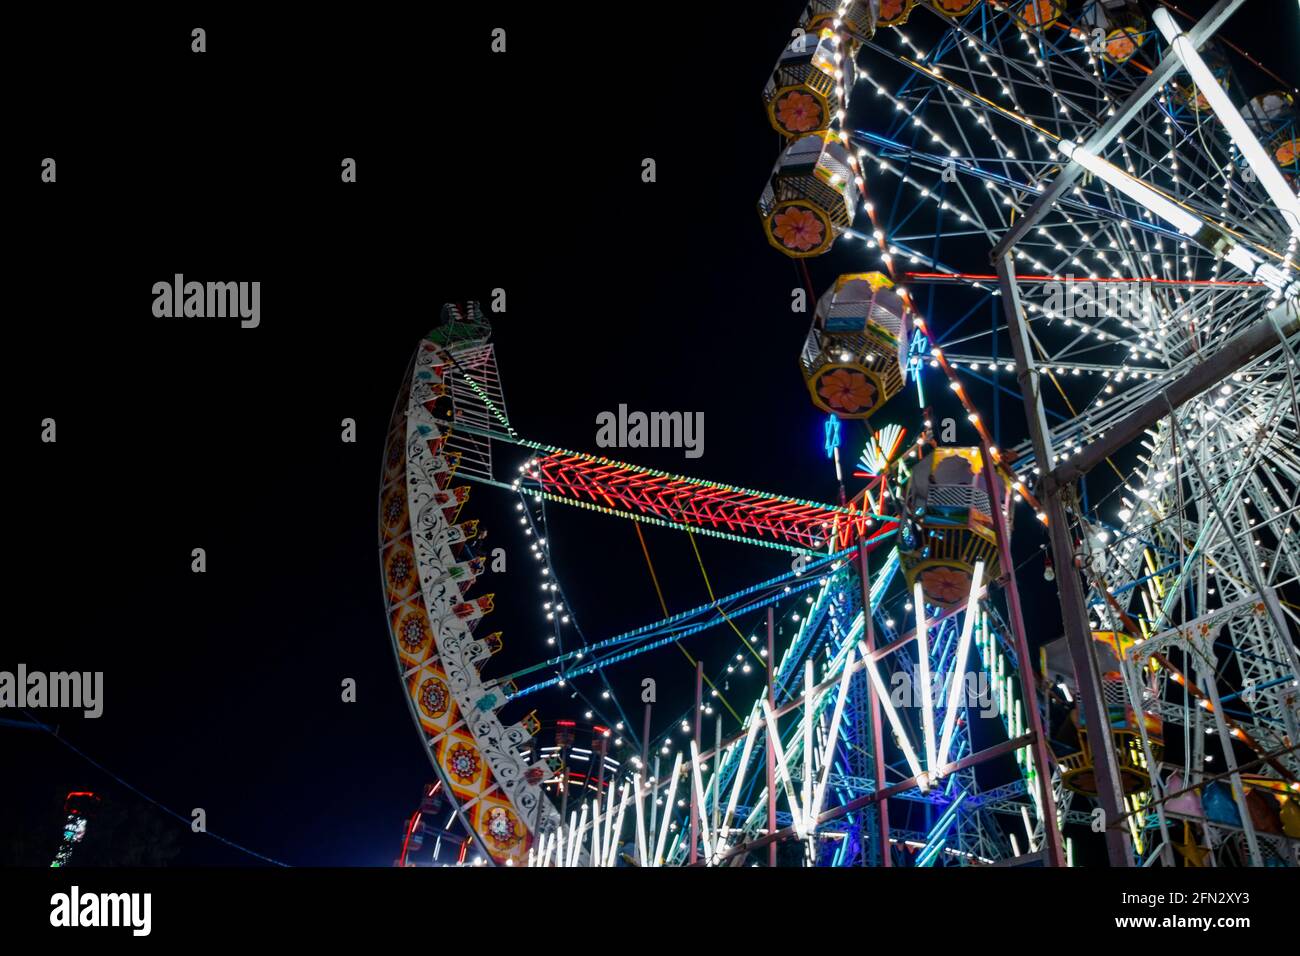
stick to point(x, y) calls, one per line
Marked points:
point(612, 849)
point(698, 797)
point(959, 666)
point(783, 773)
point(927, 697)
point(1029, 829)
point(668, 810)
point(597, 847)
point(642, 853)
point(740, 776)
point(575, 839)
point(805, 798)
point(828, 754)
point(883, 696)
point(1268, 174)
point(1182, 220)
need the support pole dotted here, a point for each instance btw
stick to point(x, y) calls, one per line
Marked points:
point(696, 800)
point(1028, 689)
point(877, 732)
point(771, 747)
point(645, 741)
point(1073, 611)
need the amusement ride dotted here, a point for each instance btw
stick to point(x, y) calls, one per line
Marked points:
point(1072, 206)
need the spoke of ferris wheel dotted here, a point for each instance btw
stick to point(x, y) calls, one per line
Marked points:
point(1230, 489)
point(1120, 118)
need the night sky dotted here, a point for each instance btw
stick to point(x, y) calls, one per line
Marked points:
point(475, 171)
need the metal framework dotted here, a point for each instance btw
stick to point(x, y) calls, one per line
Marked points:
point(1159, 455)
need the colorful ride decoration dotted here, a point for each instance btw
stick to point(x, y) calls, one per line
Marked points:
point(1188, 801)
point(428, 566)
point(954, 8)
point(859, 17)
point(1273, 118)
point(948, 525)
point(809, 199)
point(1220, 807)
point(894, 13)
point(1129, 30)
point(1077, 771)
point(810, 84)
point(1036, 14)
point(853, 358)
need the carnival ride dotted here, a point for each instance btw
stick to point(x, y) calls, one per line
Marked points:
point(1082, 149)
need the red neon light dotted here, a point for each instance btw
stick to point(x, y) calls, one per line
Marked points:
point(410, 828)
point(77, 793)
point(687, 502)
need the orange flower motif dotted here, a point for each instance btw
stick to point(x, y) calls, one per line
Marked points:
point(846, 390)
point(1286, 150)
point(1040, 13)
point(1121, 47)
point(891, 10)
point(798, 229)
point(799, 112)
point(945, 585)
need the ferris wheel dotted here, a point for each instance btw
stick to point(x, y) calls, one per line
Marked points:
point(1064, 221)
point(1079, 210)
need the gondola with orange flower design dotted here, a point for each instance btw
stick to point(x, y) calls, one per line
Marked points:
point(853, 357)
point(809, 198)
point(1036, 14)
point(894, 13)
point(954, 8)
point(810, 84)
point(949, 508)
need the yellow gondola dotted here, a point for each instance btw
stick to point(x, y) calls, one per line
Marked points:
point(811, 81)
point(853, 358)
point(809, 199)
point(949, 528)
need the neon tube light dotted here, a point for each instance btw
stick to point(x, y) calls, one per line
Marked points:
point(959, 666)
point(915, 766)
point(927, 696)
point(783, 773)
